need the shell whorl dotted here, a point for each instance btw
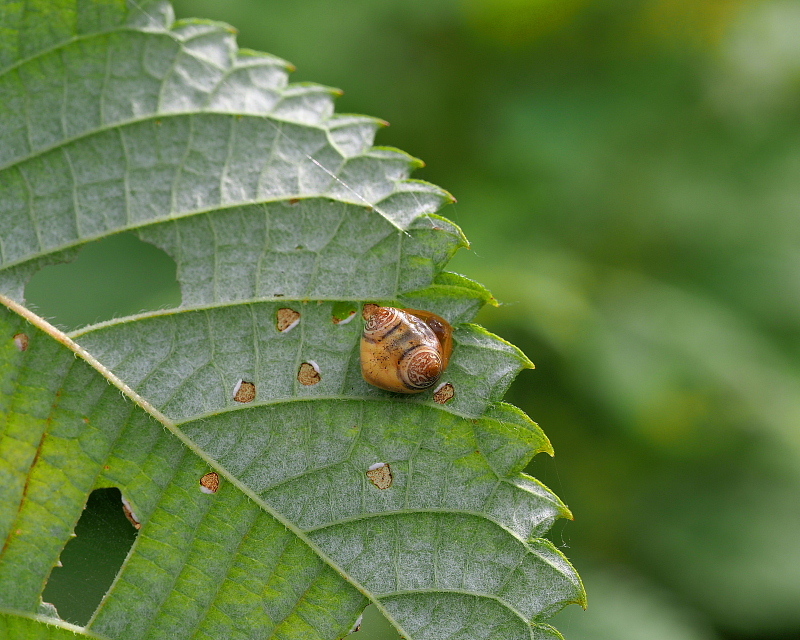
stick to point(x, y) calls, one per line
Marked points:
point(421, 368)
point(401, 350)
point(384, 318)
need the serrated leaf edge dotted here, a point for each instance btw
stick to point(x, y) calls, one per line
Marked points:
point(66, 341)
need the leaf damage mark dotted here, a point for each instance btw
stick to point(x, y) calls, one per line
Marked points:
point(244, 391)
point(444, 393)
point(357, 625)
point(380, 474)
point(21, 341)
point(346, 320)
point(120, 274)
point(343, 312)
point(309, 373)
point(209, 483)
point(93, 557)
point(130, 515)
point(287, 319)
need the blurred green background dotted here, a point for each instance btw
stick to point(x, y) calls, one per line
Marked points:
point(628, 172)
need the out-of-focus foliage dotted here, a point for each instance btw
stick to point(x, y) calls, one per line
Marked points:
point(628, 172)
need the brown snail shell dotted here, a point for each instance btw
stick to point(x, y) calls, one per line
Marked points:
point(404, 350)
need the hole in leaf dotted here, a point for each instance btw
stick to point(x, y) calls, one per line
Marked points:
point(286, 319)
point(375, 627)
point(309, 373)
point(114, 277)
point(380, 474)
point(244, 391)
point(209, 483)
point(343, 312)
point(444, 393)
point(92, 559)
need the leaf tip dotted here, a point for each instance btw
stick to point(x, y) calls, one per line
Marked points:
point(524, 361)
point(566, 512)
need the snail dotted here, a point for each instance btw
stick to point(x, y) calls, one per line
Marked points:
point(404, 350)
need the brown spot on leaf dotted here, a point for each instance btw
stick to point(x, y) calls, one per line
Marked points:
point(209, 483)
point(368, 310)
point(21, 341)
point(445, 393)
point(244, 391)
point(380, 474)
point(287, 319)
point(309, 373)
point(293, 200)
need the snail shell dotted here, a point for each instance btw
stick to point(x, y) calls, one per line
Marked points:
point(405, 350)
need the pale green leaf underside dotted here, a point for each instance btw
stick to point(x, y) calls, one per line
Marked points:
point(118, 121)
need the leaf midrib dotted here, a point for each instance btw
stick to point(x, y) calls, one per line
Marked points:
point(143, 404)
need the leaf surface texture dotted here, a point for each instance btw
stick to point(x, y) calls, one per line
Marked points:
point(115, 118)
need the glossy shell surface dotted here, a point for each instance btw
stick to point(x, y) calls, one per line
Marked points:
point(404, 350)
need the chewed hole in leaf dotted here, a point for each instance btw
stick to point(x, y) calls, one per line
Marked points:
point(374, 625)
point(380, 474)
point(287, 319)
point(444, 393)
point(209, 483)
point(309, 373)
point(343, 312)
point(244, 391)
point(118, 276)
point(91, 560)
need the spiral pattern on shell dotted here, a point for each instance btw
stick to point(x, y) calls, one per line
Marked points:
point(404, 350)
point(422, 368)
point(383, 316)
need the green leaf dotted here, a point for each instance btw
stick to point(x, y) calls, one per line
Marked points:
point(33, 627)
point(113, 119)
